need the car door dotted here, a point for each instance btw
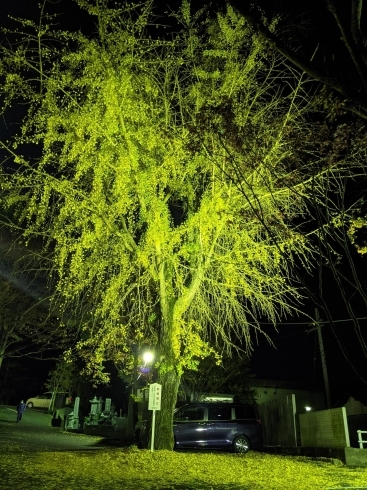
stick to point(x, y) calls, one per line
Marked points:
point(46, 399)
point(37, 401)
point(248, 423)
point(220, 427)
point(41, 403)
point(189, 426)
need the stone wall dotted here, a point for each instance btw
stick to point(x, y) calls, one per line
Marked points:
point(326, 428)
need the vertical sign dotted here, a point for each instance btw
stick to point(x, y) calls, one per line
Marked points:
point(155, 395)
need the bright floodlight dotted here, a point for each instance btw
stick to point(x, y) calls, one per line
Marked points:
point(148, 357)
point(308, 409)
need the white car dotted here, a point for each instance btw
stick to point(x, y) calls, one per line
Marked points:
point(40, 401)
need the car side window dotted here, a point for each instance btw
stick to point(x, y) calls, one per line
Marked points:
point(245, 412)
point(190, 413)
point(220, 413)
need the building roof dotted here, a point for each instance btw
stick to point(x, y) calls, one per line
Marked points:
point(290, 385)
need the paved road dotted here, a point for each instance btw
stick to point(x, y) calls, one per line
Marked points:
point(35, 433)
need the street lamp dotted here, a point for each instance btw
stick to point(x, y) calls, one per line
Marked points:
point(148, 357)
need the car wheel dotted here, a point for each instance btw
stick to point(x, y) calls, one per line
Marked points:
point(30, 405)
point(241, 444)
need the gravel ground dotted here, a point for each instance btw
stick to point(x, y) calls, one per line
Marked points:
point(35, 433)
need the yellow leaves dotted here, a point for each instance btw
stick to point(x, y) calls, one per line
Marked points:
point(232, 29)
point(214, 75)
point(133, 468)
point(188, 343)
point(185, 11)
point(356, 225)
point(162, 184)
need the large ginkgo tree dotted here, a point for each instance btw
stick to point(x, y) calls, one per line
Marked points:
point(169, 181)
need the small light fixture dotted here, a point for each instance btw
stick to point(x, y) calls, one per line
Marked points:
point(308, 409)
point(148, 357)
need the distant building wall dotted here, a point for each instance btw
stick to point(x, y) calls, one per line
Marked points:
point(304, 398)
point(214, 397)
point(326, 428)
point(355, 407)
point(266, 390)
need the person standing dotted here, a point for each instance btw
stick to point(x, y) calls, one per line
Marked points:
point(20, 410)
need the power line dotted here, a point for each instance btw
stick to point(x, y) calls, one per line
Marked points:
point(283, 337)
point(290, 325)
point(308, 323)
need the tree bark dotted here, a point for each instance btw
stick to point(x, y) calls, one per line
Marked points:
point(170, 382)
point(169, 376)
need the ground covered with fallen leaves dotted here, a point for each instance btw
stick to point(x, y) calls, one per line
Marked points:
point(131, 468)
point(34, 455)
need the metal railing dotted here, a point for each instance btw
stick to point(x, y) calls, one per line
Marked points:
point(360, 440)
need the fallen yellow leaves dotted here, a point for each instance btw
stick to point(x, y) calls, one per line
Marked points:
point(132, 468)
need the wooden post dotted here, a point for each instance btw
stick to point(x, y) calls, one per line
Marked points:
point(323, 359)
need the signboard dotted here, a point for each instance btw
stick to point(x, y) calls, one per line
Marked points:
point(155, 394)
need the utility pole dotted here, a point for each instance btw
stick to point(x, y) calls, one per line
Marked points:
point(323, 360)
point(131, 409)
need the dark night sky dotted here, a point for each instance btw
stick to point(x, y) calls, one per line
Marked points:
point(296, 356)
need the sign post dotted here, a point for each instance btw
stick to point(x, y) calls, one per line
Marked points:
point(155, 395)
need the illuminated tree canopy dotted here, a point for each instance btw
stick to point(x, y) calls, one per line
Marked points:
point(170, 178)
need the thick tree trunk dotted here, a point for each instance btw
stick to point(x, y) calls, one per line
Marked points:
point(2, 352)
point(170, 381)
point(169, 375)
